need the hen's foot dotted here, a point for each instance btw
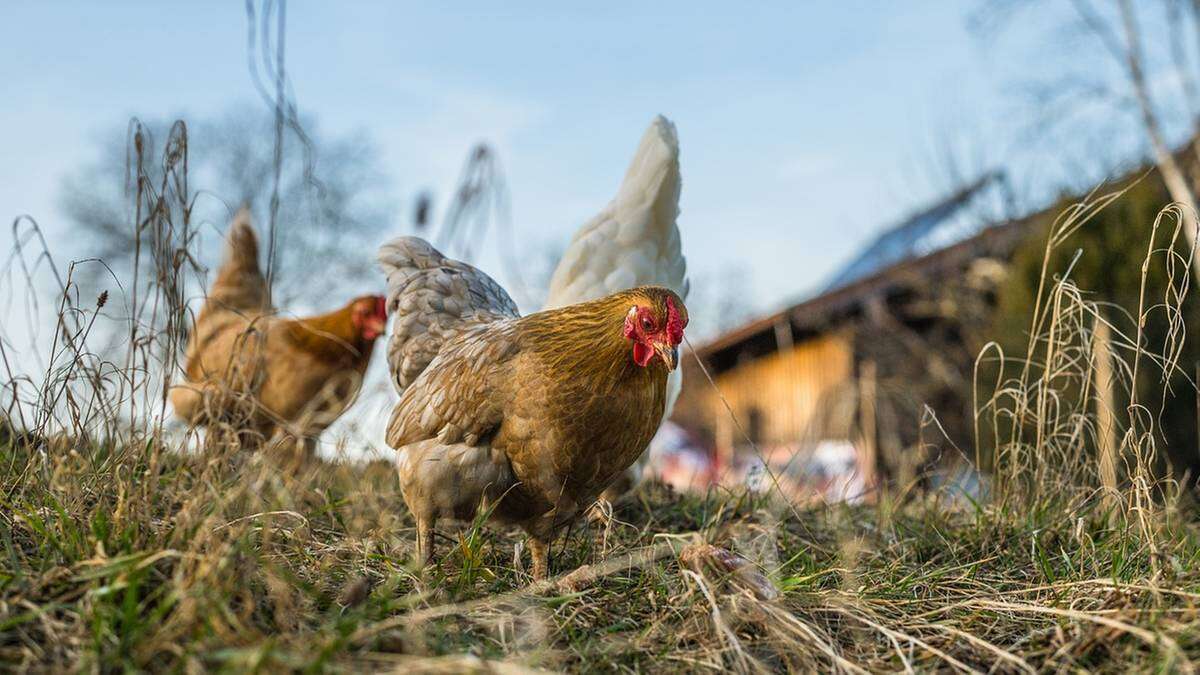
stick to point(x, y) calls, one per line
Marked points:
point(540, 551)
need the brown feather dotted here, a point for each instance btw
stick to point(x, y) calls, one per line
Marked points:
point(331, 337)
point(298, 373)
point(260, 372)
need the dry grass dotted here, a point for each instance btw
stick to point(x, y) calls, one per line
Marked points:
point(118, 557)
point(120, 550)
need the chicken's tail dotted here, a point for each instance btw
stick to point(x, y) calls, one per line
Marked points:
point(431, 299)
point(652, 181)
point(240, 284)
point(634, 241)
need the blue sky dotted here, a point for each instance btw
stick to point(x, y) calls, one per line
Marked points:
point(804, 127)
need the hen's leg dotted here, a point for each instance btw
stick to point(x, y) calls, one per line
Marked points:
point(539, 550)
point(424, 541)
point(542, 532)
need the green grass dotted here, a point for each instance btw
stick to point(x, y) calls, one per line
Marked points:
point(142, 558)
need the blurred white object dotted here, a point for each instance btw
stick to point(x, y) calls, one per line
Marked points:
point(677, 460)
point(829, 470)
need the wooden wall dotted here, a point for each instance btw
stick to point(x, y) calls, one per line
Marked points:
point(786, 396)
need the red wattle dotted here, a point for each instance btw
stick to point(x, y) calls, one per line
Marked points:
point(642, 353)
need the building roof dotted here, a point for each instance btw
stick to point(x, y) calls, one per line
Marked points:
point(936, 241)
point(961, 215)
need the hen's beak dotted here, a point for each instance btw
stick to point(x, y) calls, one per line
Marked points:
point(668, 353)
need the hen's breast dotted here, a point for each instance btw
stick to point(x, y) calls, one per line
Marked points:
point(573, 440)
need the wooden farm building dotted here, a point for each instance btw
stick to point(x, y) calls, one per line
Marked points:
point(876, 374)
point(857, 363)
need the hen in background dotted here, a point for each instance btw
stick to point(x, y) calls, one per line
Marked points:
point(634, 241)
point(263, 376)
point(528, 417)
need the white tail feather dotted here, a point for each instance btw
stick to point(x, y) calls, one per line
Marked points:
point(635, 239)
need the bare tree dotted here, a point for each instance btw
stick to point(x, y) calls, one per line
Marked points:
point(1126, 49)
point(334, 205)
point(1154, 79)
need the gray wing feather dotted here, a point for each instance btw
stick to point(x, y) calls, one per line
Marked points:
point(433, 299)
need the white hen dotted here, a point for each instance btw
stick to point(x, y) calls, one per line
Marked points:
point(634, 241)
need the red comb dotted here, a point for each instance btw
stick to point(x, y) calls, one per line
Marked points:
point(674, 323)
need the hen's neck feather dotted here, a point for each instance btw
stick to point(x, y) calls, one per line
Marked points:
point(332, 335)
point(586, 342)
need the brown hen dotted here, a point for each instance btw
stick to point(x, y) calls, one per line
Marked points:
point(528, 417)
point(265, 376)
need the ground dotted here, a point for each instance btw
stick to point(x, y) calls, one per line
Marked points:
point(139, 557)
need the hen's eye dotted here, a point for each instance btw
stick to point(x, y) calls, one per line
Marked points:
point(646, 323)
